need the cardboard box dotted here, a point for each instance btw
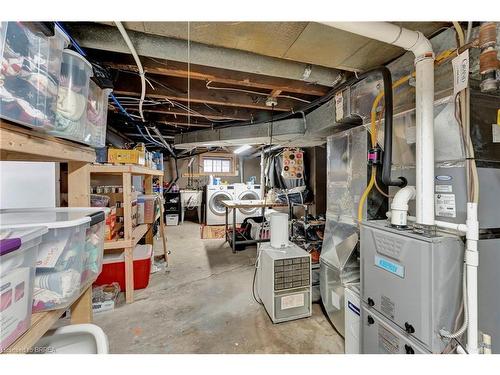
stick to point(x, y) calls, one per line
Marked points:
point(121, 156)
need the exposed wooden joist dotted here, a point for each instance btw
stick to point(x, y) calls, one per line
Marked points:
point(229, 114)
point(184, 120)
point(183, 124)
point(198, 93)
point(170, 68)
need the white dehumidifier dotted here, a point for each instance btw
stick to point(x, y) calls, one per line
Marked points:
point(284, 275)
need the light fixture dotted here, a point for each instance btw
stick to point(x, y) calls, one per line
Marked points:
point(241, 149)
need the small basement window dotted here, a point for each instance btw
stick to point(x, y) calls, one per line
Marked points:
point(218, 164)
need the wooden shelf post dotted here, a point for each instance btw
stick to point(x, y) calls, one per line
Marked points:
point(127, 225)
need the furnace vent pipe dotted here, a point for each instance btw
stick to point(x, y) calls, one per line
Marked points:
point(421, 47)
point(399, 206)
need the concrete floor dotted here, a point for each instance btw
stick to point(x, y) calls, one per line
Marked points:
point(204, 304)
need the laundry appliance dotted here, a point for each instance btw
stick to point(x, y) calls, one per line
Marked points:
point(215, 210)
point(247, 192)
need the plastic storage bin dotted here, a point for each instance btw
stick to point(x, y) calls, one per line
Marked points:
point(94, 239)
point(30, 71)
point(18, 254)
point(113, 269)
point(71, 116)
point(97, 115)
point(98, 200)
point(146, 209)
point(73, 339)
point(60, 260)
point(94, 246)
point(172, 219)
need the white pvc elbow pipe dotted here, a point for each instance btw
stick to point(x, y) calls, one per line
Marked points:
point(399, 205)
point(421, 47)
point(389, 33)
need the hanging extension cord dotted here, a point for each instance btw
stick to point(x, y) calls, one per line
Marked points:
point(263, 184)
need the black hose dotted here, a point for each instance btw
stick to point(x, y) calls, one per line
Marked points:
point(172, 182)
point(388, 115)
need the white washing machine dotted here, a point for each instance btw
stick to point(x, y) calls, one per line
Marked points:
point(247, 192)
point(215, 210)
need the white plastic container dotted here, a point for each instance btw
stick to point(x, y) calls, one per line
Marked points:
point(172, 219)
point(71, 117)
point(18, 254)
point(94, 239)
point(97, 115)
point(61, 254)
point(94, 245)
point(30, 69)
point(73, 339)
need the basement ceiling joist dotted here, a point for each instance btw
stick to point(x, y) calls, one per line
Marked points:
point(176, 89)
point(237, 114)
point(169, 68)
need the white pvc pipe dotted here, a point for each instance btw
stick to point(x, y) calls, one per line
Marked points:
point(389, 33)
point(421, 47)
point(472, 261)
point(424, 97)
point(137, 61)
point(461, 228)
point(399, 205)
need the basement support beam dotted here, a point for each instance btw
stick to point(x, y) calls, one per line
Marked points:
point(108, 38)
point(229, 77)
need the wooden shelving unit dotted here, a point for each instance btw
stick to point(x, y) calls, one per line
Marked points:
point(137, 233)
point(20, 144)
point(131, 235)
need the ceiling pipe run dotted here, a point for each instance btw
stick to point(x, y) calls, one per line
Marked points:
point(421, 47)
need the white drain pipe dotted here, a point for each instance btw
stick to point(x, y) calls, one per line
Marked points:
point(421, 47)
point(399, 205)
